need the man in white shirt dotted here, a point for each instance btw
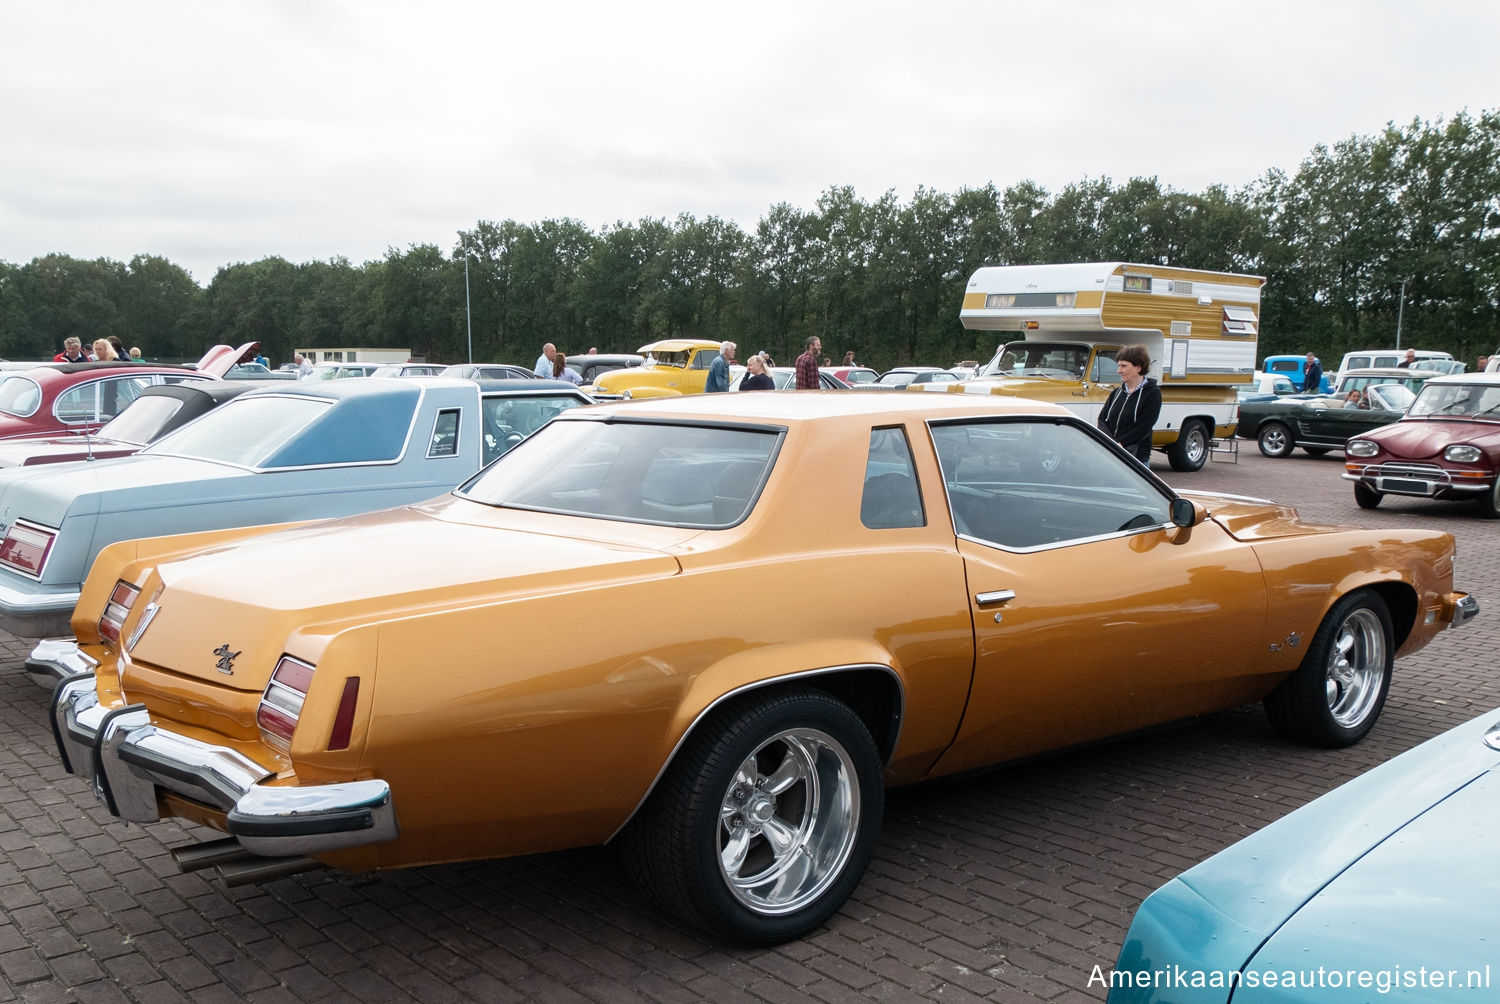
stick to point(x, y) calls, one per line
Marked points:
point(543, 366)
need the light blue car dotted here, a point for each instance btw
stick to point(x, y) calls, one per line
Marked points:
point(312, 450)
point(1383, 889)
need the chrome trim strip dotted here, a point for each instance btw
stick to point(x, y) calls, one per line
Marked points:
point(1465, 609)
point(757, 685)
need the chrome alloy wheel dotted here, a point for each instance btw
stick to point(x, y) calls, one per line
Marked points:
point(788, 821)
point(1356, 668)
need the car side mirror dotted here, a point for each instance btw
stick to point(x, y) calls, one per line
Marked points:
point(1186, 512)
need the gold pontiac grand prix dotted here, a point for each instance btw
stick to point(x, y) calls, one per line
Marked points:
point(792, 599)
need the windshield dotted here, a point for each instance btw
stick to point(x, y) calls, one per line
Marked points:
point(1457, 400)
point(1390, 396)
point(142, 421)
point(1039, 359)
point(639, 472)
point(896, 379)
point(20, 396)
point(246, 431)
point(668, 358)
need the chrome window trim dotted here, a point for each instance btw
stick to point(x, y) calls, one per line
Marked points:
point(1145, 473)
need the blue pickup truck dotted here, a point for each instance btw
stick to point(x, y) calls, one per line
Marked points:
point(1294, 368)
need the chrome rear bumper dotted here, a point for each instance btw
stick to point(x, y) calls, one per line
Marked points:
point(129, 759)
point(56, 659)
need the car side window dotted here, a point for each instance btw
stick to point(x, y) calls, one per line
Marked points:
point(444, 434)
point(1035, 483)
point(705, 358)
point(115, 394)
point(78, 404)
point(890, 498)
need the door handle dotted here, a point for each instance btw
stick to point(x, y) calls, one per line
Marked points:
point(994, 596)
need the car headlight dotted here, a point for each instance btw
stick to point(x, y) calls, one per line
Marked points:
point(1462, 454)
point(1361, 448)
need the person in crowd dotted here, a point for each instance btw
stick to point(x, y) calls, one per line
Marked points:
point(807, 363)
point(849, 358)
point(1484, 362)
point(304, 365)
point(103, 351)
point(1355, 399)
point(756, 377)
point(1133, 407)
point(72, 352)
point(1409, 361)
point(1312, 380)
point(120, 351)
point(543, 367)
point(135, 354)
point(718, 370)
point(593, 350)
point(561, 370)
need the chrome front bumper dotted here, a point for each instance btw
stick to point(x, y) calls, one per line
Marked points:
point(1462, 608)
point(129, 759)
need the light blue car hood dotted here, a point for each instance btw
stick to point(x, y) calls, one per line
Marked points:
point(1424, 898)
point(1255, 903)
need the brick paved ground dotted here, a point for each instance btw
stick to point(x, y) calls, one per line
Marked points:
point(1009, 886)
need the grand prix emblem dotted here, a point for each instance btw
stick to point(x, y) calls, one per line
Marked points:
point(226, 659)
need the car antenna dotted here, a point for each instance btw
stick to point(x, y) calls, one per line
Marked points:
point(88, 442)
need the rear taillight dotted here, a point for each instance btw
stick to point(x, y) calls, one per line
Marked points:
point(26, 546)
point(281, 704)
point(121, 599)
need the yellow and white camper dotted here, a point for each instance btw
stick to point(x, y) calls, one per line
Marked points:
point(1199, 327)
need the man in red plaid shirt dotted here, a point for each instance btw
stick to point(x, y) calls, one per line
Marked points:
point(807, 364)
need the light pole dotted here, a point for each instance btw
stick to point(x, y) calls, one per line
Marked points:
point(1400, 309)
point(469, 318)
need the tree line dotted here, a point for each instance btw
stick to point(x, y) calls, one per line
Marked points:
point(1399, 227)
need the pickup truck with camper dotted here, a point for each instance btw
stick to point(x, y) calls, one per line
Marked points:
point(1200, 328)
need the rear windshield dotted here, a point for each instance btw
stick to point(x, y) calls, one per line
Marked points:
point(20, 396)
point(142, 421)
point(640, 472)
point(246, 432)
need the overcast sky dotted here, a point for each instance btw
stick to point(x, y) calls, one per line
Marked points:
point(214, 133)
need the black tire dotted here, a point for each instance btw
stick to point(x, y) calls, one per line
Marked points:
point(1489, 502)
point(1275, 439)
point(1365, 496)
point(1316, 451)
point(1336, 694)
point(1190, 451)
point(817, 781)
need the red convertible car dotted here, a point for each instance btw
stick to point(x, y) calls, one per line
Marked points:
point(1447, 446)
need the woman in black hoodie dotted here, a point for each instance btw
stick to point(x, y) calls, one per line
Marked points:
point(1133, 407)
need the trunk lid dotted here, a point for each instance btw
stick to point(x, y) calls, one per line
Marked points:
point(249, 598)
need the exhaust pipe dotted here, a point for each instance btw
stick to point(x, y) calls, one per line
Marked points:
point(235, 865)
point(253, 869)
point(192, 857)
